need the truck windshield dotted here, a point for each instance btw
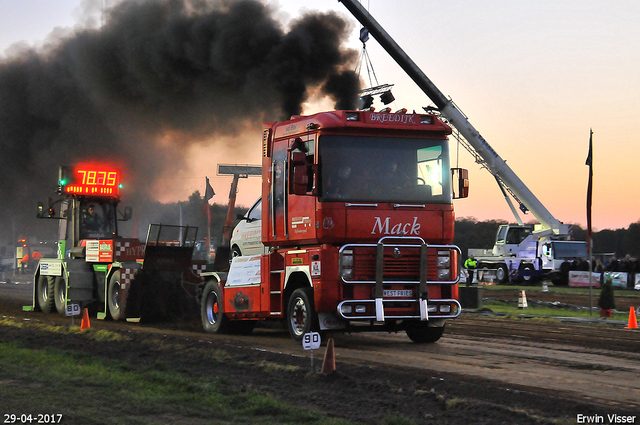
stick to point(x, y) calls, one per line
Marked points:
point(383, 169)
point(568, 250)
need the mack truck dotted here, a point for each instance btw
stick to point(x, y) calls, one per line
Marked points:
point(98, 269)
point(520, 251)
point(356, 220)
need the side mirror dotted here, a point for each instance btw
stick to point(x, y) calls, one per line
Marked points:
point(128, 213)
point(460, 183)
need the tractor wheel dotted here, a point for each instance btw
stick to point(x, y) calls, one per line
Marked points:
point(301, 313)
point(212, 309)
point(60, 295)
point(44, 294)
point(421, 333)
point(113, 297)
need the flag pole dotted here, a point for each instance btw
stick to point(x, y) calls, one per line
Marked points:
point(589, 162)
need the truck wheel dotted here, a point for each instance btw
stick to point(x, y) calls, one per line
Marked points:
point(60, 295)
point(44, 294)
point(502, 273)
point(301, 314)
point(113, 296)
point(525, 272)
point(421, 333)
point(212, 309)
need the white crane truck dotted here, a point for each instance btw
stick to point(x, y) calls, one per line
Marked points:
point(520, 251)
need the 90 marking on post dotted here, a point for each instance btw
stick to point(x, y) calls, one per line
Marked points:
point(39, 418)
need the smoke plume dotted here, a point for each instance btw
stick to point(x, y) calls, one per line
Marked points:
point(158, 76)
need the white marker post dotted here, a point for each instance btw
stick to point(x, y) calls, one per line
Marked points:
point(311, 341)
point(73, 310)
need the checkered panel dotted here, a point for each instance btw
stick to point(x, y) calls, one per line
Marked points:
point(121, 247)
point(198, 268)
point(126, 275)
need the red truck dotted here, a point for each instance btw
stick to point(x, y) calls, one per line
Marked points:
point(357, 223)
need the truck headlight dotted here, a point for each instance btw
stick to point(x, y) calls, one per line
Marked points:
point(346, 264)
point(444, 262)
point(444, 274)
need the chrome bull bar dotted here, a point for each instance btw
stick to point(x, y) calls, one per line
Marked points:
point(455, 311)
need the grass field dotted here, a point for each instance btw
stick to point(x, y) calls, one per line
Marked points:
point(547, 310)
point(73, 387)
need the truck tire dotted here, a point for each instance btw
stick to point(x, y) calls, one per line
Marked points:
point(301, 313)
point(60, 295)
point(212, 309)
point(113, 296)
point(502, 273)
point(525, 271)
point(421, 333)
point(44, 294)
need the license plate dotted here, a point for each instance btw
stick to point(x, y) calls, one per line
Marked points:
point(393, 293)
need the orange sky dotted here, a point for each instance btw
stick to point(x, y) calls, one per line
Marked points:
point(533, 78)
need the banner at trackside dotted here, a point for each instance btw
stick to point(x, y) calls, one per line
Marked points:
point(619, 279)
point(637, 284)
point(581, 279)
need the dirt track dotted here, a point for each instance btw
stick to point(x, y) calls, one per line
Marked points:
point(484, 370)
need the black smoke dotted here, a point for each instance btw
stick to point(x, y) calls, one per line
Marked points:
point(158, 75)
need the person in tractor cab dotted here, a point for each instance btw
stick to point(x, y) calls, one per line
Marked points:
point(470, 265)
point(90, 220)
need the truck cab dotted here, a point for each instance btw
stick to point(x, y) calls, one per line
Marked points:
point(356, 220)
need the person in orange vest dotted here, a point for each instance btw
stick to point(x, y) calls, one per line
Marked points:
point(35, 257)
point(24, 262)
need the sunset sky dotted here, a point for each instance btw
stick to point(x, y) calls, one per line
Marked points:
point(533, 78)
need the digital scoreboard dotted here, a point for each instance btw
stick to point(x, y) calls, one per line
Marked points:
point(90, 180)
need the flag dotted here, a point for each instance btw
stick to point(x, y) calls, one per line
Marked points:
point(589, 162)
point(208, 194)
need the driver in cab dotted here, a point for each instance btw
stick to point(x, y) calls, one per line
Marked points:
point(90, 220)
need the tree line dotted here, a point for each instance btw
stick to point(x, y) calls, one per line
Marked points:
point(470, 233)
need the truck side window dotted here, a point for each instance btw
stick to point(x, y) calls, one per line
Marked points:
point(255, 213)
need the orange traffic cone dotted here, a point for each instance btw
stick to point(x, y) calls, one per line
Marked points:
point(85, 320)
point(329, 363)
point(633, 323)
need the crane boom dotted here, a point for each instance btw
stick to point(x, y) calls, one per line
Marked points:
point(493, 162)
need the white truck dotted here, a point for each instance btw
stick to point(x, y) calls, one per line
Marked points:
point(520, 251)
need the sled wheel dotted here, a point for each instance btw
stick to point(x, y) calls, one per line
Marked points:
point(113, 296)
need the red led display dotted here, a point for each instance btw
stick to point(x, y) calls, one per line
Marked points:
point(92, 181)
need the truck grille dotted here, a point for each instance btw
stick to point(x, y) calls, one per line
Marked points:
point(401, 263)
